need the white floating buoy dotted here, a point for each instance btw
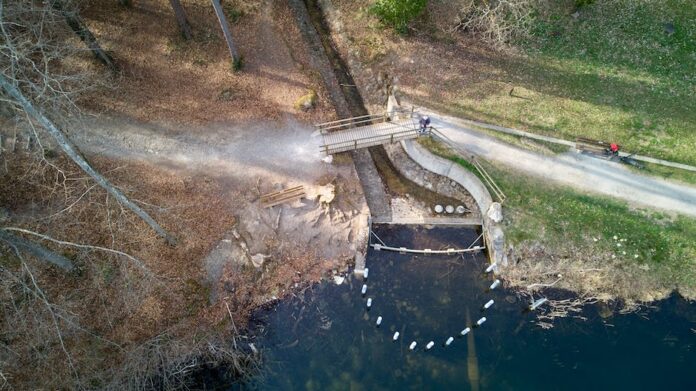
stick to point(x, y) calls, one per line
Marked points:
point(369, 302)
point(364, 289)
point(480, 321)
point(412, 346)
point(495, 284)
point(429, 345)
point(379, 320)
point(449, 341)
point(366, 272)
point(439, 208)
point(488, 305)
point(491, 267)
point(537, 303)
point(396, 336)
point(461, 209)
point(449, 209)
point(465, 331)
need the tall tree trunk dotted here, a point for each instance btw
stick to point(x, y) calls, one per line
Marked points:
point(37, 250)
point(181, 18)
point(75, 155)
point(80, 28)
point(225, 26)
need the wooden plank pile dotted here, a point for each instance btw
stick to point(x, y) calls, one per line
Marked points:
point(283, 196)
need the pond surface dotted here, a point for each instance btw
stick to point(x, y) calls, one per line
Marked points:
point(326, 339)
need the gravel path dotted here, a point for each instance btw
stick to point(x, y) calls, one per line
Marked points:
point(579, 171)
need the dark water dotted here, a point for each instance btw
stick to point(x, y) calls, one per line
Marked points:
point(327, 340)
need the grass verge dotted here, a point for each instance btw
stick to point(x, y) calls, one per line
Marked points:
point(652, 245)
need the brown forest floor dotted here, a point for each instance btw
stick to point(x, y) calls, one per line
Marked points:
point(166, 78)
point(169, 81)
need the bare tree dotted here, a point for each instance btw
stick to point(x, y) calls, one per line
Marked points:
point(35, 83)
point(496, 21)
point(225, 26)
point(72, 152)
point(80, 28)
point(181, 18)
point(50, 320)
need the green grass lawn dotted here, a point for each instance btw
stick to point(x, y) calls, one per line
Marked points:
point(560, 217)
point(611, 73)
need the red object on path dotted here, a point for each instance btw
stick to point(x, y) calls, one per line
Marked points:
point(614, 148)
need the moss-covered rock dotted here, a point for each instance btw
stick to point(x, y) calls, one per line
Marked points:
point(306, 102)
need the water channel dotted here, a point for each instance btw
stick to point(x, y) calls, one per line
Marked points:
point(326, 339)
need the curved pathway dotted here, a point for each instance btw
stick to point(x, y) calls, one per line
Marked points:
point(576, 170)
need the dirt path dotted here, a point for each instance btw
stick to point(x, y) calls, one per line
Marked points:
point(322, 231)
point(579, 171)
point(285, 152)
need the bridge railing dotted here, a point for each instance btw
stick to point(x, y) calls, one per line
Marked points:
point(370, 141)
point(348, 123)
point(487, 178)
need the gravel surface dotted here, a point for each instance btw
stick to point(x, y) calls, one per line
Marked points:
point(582, 172)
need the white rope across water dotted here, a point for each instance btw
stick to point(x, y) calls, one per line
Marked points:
point(427, 251)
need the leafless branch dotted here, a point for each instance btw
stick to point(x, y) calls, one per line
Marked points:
point(496, 21)
point(539, 285)
point(133, 259)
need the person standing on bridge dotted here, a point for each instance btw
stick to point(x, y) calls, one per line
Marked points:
point(424, 123)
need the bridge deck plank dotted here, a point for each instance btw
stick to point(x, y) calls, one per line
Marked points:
point(369, 135)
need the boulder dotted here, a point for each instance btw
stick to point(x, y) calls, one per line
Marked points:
point(495, 212)
point(258, 259)
point(498, 247)
point(306, 102)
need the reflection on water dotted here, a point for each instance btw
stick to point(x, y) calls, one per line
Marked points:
point(327, 339)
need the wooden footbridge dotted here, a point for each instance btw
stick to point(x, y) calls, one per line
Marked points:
point(366, 131)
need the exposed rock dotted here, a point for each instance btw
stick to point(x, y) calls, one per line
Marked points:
point(495, 212)
point(258, 259)
point(324, 194)
point(498, 244)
